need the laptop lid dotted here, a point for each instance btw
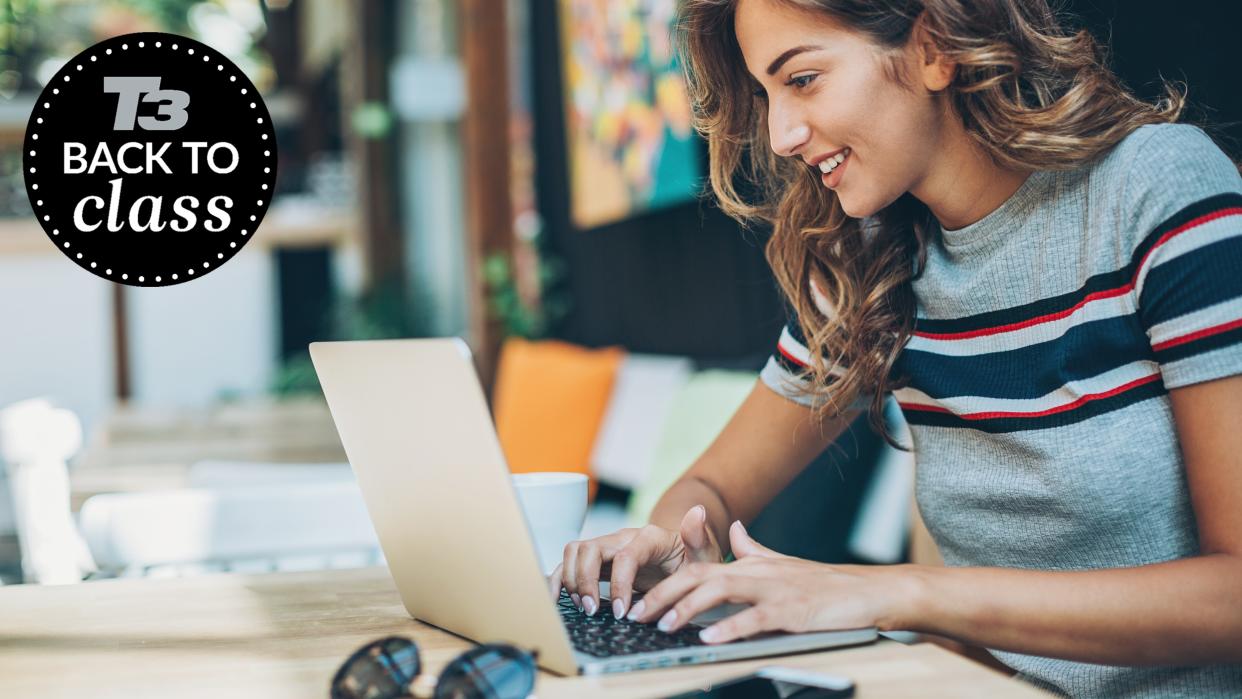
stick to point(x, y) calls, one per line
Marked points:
point(416, 429)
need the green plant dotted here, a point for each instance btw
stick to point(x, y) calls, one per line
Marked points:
point(519, 317)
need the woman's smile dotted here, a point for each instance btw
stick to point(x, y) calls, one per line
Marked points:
point(833, 169)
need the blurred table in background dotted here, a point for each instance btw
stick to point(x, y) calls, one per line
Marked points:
point(139, 449)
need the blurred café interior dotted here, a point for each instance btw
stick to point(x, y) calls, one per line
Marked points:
point(520, 173)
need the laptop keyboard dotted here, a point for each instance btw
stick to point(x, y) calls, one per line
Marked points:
point(603, 635)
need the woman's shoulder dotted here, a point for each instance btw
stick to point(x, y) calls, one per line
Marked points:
point(1164, 153)
point(1160, 172)
point(1154, 138)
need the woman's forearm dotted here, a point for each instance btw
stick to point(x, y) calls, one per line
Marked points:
point(1184, 612)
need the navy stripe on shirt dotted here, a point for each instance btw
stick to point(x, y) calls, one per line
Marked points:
point(1193, 281)
point(1036, 370)
point(1083, 409)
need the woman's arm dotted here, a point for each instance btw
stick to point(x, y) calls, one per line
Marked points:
point(767, 442)
point(1187, 611)
point(1182, 612)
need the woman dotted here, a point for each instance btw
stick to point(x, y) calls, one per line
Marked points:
point(971, 213)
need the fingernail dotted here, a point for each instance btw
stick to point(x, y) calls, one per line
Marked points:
point(636, 611)
point(702, 512)
point(576, 600)
point(666, 622)
point(709, 634)
point(588, 603)
point(618, 609)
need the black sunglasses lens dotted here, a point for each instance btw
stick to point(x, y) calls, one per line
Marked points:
point(493, 671)
point(380, 670)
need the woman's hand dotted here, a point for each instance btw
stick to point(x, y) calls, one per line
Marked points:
point(785, 594)
point(634, 558)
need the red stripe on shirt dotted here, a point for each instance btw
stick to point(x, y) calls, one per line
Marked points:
point(1198, 334)
point(965, 335)
point(789, 356)
point(1050, 411)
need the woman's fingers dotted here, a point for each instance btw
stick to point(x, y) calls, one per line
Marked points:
point(624, 569)
point(660, 598)
point(588, 561)
point(744, 546)
point(711, 592)
point(584, 562)
point(650, 543)
point(697, 536)
point(747, 622)
point(554, 582)
point(569, 572)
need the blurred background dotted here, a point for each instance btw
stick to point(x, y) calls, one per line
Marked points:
point(521, 173)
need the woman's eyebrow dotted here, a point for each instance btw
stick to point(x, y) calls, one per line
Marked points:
point(781, 59)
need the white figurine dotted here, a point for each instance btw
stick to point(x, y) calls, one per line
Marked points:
point(36, 442)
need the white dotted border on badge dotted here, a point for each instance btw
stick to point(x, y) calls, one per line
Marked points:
point(34, 136)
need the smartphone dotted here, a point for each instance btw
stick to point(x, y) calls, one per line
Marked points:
point(775, 683)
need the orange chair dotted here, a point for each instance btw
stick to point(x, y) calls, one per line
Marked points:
point(549, 401)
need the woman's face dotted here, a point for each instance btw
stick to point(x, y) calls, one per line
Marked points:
point(827, 91)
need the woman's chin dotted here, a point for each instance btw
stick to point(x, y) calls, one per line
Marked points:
point(855, 206)
point(849, 206)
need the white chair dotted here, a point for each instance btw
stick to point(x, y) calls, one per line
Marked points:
point(642, 395)
point(297, 526)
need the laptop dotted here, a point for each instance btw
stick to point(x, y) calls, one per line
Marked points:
point(416, 428)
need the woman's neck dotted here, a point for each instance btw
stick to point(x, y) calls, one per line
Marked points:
point(963, 184)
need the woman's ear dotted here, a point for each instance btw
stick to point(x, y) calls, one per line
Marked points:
point(935, 69)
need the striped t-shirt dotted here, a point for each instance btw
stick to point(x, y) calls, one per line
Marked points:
point(1047, 336)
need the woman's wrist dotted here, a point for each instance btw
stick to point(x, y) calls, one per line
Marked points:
point(907, 596)
point(685, 493)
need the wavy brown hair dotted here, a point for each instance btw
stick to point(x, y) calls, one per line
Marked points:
point(1030, 93)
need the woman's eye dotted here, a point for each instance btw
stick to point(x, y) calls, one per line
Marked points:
point(801, 81)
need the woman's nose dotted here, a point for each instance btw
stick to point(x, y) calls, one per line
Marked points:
point(787, 135)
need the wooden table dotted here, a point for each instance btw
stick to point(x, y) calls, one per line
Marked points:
point(283, 635)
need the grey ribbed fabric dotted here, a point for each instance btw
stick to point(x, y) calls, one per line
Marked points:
point(1042, 427)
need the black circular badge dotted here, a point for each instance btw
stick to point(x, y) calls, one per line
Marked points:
point(150, 159)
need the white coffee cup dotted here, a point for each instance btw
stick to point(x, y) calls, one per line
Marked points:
point(555, 506)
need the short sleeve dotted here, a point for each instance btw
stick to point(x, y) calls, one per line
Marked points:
point(784, 370)
point(1185, 200)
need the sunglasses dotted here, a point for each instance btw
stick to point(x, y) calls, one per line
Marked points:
point(388, 669)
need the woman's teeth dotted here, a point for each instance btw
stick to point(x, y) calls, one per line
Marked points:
point(829, 164)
